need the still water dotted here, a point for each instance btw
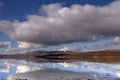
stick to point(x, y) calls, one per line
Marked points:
point(23, 70)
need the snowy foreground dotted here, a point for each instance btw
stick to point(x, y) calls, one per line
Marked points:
point(56, 74)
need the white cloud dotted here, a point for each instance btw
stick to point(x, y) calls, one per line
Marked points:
point(71, 48)
point(116, 40)
point(26, 68)
point(23, 47)
point(61, 24)
point(26, 45)
point(69, 65)
point(113, 45)
point(22, 66)
point(6, 46)
point(5, 69)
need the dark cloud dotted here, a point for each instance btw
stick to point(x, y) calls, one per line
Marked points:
point(61, 25)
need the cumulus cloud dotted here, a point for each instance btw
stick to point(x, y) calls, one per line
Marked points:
point(61, 25)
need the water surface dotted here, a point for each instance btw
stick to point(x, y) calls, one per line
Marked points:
point(20, 69)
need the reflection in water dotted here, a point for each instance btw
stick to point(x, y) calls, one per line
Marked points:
point(110, 56)
point(74, 70)
point(59, 66)
point(56, 74)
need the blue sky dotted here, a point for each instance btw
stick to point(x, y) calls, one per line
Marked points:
point(13, 10)
point(18, 10)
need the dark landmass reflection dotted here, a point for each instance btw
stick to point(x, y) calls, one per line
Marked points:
point(108, 56)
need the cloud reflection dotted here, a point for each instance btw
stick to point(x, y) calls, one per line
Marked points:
point(56, 74)
point(24, 68)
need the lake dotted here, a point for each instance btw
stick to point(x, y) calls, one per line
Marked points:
point(25, 70)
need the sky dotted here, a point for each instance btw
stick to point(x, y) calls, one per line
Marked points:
point(18, 10)
point(76, 25)
point(65, 24)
